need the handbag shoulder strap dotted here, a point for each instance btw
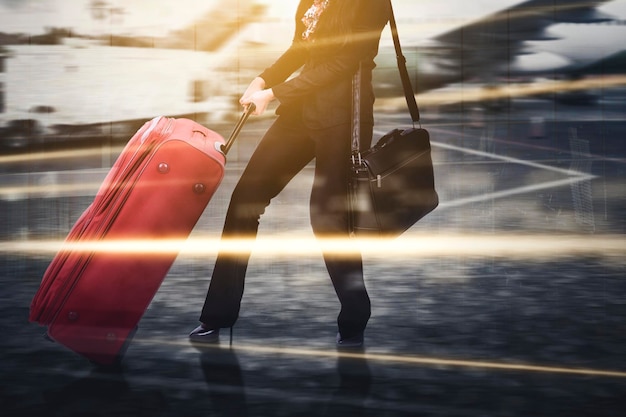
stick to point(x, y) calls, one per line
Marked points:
point(404, 74)
point(406, 86)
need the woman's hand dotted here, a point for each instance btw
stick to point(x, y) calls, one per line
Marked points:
point(256, 85)
point(261, 100)
point(257, 94)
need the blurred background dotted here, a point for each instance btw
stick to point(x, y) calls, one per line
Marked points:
point(507, 300)
point(96, 69)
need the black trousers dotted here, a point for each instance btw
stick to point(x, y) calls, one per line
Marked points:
point(286, 148)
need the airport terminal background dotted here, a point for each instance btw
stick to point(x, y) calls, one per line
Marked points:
point(507, 300)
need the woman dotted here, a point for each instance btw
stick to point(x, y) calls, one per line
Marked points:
point(332, 39)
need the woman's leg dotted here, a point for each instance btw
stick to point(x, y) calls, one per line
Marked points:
point(330, 219)
point(282, 153)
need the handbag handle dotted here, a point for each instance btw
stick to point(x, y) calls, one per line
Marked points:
point(404, 77)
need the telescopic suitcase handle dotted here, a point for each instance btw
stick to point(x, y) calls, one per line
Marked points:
point(229, 142)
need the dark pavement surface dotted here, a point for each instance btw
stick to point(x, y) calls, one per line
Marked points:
point(508, 300)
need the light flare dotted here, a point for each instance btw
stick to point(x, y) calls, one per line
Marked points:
point(517, 90)
point(56, 155)
point(528, 246)
point(410, 360)
point(43, 190)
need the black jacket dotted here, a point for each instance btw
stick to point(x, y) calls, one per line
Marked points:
point(321, 94)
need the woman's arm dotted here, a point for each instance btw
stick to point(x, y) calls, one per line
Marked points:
point(364, 45)
point(259, 91)
point(293, 58)
point(290, 61)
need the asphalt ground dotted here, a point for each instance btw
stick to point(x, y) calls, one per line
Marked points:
point(507, 300)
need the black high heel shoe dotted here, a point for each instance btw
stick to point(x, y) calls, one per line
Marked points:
point(354, 342)
point(205, 335)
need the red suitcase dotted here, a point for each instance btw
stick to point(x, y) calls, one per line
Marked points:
point(93, 295)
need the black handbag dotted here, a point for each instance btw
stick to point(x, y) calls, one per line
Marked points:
point(392, 184)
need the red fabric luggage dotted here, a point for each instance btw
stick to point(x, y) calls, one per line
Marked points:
point(92, 296)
